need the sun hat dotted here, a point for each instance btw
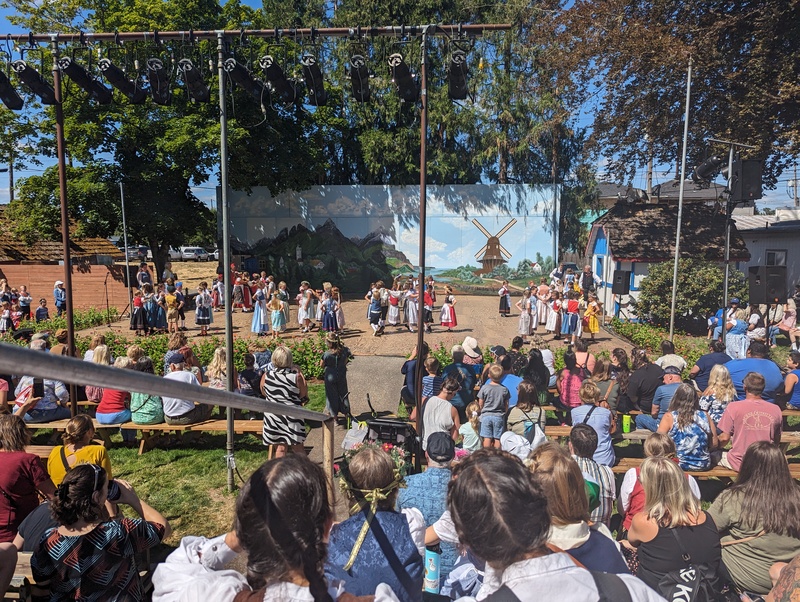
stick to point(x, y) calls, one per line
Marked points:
point(470, 346)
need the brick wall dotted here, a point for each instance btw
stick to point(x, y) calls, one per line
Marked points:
point(87, 283)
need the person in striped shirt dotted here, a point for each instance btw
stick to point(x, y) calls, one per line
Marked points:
point(582, 445)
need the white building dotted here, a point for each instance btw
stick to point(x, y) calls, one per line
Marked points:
point(772, 240)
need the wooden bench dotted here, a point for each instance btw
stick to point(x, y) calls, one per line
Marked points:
point(149, 431)
point(562, 432)
point(43, 451)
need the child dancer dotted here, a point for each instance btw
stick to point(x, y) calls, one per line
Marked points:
point(553, 325)
point(329, 307)
point(526, 310)
point(277, 317)
point(505, 300)
point(258, 324)
point(448, 314)
point(337, 296)
point(138, 317)
point(202, 315)
point(5, 318)
point(427, 318)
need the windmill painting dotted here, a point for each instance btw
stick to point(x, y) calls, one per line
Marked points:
point(492, 254)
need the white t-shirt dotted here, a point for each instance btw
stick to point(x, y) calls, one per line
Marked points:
point(174, 407)
point(549, 360)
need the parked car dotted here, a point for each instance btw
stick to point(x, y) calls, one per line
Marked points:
point(139, 252)
point(173, 254)
point(213, 255)
point(194, 253)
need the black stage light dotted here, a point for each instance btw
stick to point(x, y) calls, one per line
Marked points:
point(457, 76)
point(198, 89)
point(359, 78)
point(116, 77)
point(8, 94)
point(243, 78)
point(401, 76)
point(707, 171)
point(159, 82)
point(312, 75)
point(31, 78)
point(85, 81)
point(283, 88)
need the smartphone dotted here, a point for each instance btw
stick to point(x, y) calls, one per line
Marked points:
point(38, 387)
point(114, 492)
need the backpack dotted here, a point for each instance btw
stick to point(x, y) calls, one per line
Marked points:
point(610, 588)
point(694, 583)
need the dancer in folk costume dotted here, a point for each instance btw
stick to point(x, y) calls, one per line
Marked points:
point(138, 317)
point(526, 312)
point(237, 295)
point(260, 320)
point(337, 296)
point(283, 295)
point(329, 307)
point(375, 312)
point(542, 303)
point(505, 300)
point(592, 314)
point(412, 312)
point(276, 316)
point(571, 321)
point(368, 297)
point(202, 314)
point(218, 293)
point(150, 304)
point(447, 317)
point(393, 315)
point(247, 294)
point(427, 306)
point(305, 312)
point(553, 325)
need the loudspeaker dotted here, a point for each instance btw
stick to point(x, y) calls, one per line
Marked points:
point(767, 284)
point(747, 180)
point(622, 282)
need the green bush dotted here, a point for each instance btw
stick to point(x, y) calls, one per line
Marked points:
point(649, 337)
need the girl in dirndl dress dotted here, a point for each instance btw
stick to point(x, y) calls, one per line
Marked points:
point(339, 311)
point(5, 318)
point(393, 315)
point(447, 317)
point(305, 310)
point(258, 324)
point(329, 307)
point(138, 319)
point(526, 309)
point(554, 316)
point(411, 307)
point(283, 295)
point(505, 300)
point(202, 313)
point(276, 316)
point(542, 308)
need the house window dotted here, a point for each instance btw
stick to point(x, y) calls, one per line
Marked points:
point(775, 257)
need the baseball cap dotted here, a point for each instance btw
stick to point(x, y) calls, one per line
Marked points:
point(498, 350)
point(441, 447)
point(177, 358)
point(672, 370)
point(735, 300)
point(58, 282)
point(40, 336)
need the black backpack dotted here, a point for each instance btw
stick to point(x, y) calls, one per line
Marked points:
point(609, 586)
point(694, 583)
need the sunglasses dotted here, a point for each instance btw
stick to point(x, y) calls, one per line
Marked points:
point(98, 470)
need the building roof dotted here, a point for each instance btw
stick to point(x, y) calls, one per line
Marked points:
point(646, 233)
point(16, 250)
point(773, 223)
point(669, 191)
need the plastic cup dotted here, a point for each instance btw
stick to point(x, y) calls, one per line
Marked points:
point(626, 424)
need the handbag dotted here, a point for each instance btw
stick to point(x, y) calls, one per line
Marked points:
point(533, 432)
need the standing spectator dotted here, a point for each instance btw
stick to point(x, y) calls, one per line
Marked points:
point(747, 421)
point(582, 446)
point(54, 404)
point(439, 415)
point(286, 385)
point(22, 476)
point(669, 357)
point(493, 400)
point(408, 394)
point(644, 380)
point(757, 360)
point(42, 313)
point(791, 387)
point(621, 373)
point(759, 518)
point(466, 376)
point(334, 362)
point(718, 394)
point(183, 411)
point(692, 429)
point(588, 282)
point(25, 301)
point(473, 356)
point(701, 370)
point(661, 400)
point(599, 418)
point(60, 297)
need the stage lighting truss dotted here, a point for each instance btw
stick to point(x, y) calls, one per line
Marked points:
point(116, 77)
point(407, 86)
point(244, 79)
point(457, 76)
point(8, 94)
point(86, 82)
point(312, 75)
point(34, 81)
point(193, 79)
point(359, 78)
point(284, 89)
point(159, 82)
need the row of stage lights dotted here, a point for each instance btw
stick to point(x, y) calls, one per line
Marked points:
point(283, 88)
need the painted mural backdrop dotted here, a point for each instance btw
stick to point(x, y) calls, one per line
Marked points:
point(353, 235)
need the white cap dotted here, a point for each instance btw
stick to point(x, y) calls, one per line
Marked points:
point(58, 282)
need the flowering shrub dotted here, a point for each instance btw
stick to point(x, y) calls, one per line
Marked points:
point(650, 337)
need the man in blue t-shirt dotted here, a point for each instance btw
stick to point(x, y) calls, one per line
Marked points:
point(757, 360)
point(702, 368)
point(509, 381)
point(661, 400)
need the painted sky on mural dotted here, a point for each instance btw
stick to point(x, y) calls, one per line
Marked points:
point(360, 211)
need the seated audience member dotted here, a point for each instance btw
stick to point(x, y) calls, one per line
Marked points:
point(791, 389)
point(22, 477)
point(192, 364)
point(669, 357)
point(597, 417)
point(661, 400)
point(538, 374)
point(631, 493)
point(747, 421)
point(146, 408)
point(183, 411)
point(363, 560)
point(758, 518)
point(701, 371)
point(643, 382)
point(283, 515)
point(439, 415)
point(35, 525)
point(757, 360)
point(78, 448)
point(518, 359)
point(467, 378)
point(88, 554)
point(582, 445)
point(54, 405)
point(114, 407)
point(427, 492)
point(718, 394)
point(249, 379)
point(527, 412)
point(510, 380)
point(473, 356)
point(8, 563)
point(135, 353)
point(672, 521)
point(692, 429)
point(175, 341)
point(513, 541)
point(608, 386)
point(563, 485)
point(568, 384)
point(583, 358)
point(97, 339)
point(786, 581)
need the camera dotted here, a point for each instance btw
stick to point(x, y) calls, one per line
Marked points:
point(114, 491)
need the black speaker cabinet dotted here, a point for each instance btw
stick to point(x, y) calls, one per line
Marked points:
point(622, 282)
point(767, 284)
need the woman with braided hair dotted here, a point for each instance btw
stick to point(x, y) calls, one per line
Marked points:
point(283, 515)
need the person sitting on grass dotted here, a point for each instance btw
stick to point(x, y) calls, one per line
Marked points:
point(493, 399)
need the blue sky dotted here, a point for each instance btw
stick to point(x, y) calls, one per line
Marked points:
point(206, 192)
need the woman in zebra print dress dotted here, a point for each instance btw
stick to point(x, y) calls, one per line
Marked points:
point(285, 384)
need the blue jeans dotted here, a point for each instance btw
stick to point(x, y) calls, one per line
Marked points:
point(646, 421)
point(118, 418)
point(39, 416)
point(773, 333)
point(552, 382)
